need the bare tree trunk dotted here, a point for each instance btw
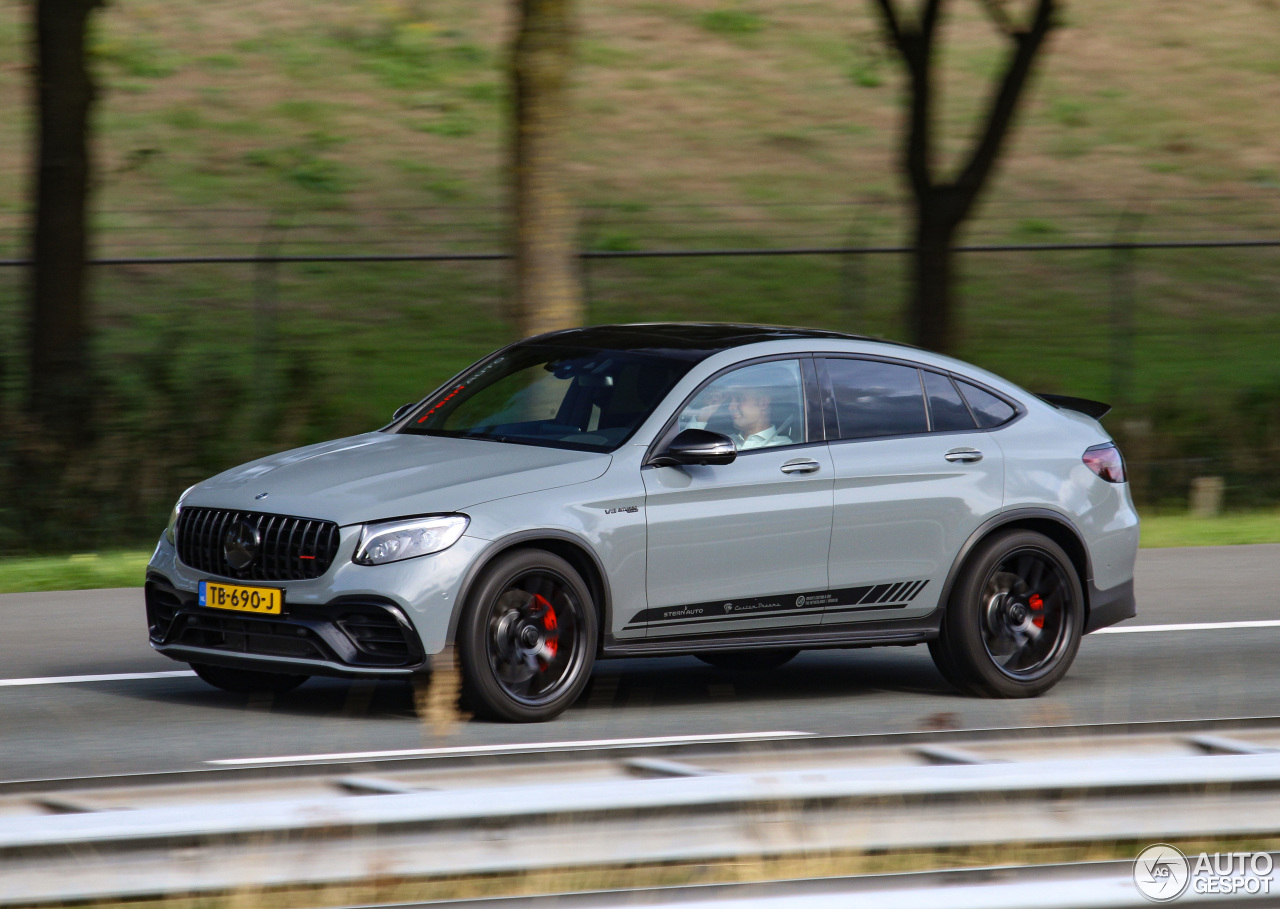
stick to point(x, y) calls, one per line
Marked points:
point(59, 396)
point(930, 316)
point(548, 292)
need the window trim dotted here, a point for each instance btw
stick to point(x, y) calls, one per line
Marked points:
point(665, 435)
point(831, 420)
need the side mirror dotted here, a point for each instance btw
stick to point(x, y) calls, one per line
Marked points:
point(402, 410)
point(697, 446)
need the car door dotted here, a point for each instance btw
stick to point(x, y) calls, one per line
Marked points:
point(736, 547)
point(914, 477)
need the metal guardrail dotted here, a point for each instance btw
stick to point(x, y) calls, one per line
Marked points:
point(735, 807)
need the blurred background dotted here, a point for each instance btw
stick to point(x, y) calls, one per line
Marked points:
point(300, 219)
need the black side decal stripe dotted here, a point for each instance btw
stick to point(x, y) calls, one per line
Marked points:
point(877, 593)
point(866, 597)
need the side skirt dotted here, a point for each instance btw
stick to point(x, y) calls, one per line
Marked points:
point(897, 632)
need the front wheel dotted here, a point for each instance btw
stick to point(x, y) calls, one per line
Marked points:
point(1014, 619)
point(527, 639)
point(247, 681)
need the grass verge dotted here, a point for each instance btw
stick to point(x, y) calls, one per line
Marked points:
point(92, 570)
point(1231, 529)
point(84, 571)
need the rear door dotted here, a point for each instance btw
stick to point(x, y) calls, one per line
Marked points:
point(914, 477)
point(737, 547)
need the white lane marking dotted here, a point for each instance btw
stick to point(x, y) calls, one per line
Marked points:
point(515, 746)
point(1189, 626)
point(114, 677)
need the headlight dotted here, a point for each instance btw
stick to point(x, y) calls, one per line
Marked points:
point(392, 541)
point(171, 531)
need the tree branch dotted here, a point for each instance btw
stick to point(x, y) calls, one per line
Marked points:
point(1004, 103)
point(891, 27)
point(929, 19)
point(913, 41)
point(998, 11)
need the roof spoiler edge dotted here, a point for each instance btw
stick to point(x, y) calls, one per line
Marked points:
point(1095, 409)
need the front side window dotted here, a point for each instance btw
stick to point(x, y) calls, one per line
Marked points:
point(875, 399)
point(560, 397)
point(758, 406)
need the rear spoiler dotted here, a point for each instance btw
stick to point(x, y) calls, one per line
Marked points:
point(1095, 409)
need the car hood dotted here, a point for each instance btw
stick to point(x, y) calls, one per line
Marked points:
point(382, 475)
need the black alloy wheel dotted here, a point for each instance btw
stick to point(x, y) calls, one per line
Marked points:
point(1014, 620)
point(747, 660)
point(247, 681)
point(527, 640)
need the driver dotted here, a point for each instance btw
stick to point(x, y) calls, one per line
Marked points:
point(752, 410)
point(746, 399)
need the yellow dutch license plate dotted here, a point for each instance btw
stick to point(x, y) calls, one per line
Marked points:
point(263, 600)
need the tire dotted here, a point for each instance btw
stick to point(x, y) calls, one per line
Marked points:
point(247, 681)
point(527, 638)
point(947, 666)
point(748, 660)
point(1014, 619)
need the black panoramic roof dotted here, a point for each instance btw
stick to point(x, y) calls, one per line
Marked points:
point(686, 340)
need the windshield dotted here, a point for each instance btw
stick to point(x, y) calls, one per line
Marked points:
point(581, 398)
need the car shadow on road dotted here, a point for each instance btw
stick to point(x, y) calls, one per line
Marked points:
point(686, 681)
point(616, 685)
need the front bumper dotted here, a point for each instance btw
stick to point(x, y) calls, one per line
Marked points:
point(410, 603)
point(349, 636)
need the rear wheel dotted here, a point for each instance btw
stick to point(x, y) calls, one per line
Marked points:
point(527, 639)
point(247, 681)
point(748, 660)
point(1014, 620)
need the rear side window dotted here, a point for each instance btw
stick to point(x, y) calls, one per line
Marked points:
point(876, 399)
point(946, 408)
point(990, 410)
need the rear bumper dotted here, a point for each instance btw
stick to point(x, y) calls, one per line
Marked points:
point(1107, 607)
point(358, 637)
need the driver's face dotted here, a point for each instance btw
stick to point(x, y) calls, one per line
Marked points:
point(750, 411)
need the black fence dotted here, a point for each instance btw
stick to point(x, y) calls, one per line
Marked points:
point(224, 335)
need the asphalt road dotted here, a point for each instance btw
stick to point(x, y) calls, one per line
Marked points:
point(51, 726)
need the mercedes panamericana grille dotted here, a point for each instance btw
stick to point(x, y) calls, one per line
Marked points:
point(739, 493)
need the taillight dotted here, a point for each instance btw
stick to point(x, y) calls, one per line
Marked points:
point(1105, 461)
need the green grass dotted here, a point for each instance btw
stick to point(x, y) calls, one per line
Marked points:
point(87, 571)
point(1231, 529)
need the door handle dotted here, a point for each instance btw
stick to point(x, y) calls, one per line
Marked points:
point(801, 465)
point(966, 455)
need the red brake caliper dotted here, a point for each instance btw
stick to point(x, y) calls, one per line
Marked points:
point(552, 640)
point(1037, 605)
